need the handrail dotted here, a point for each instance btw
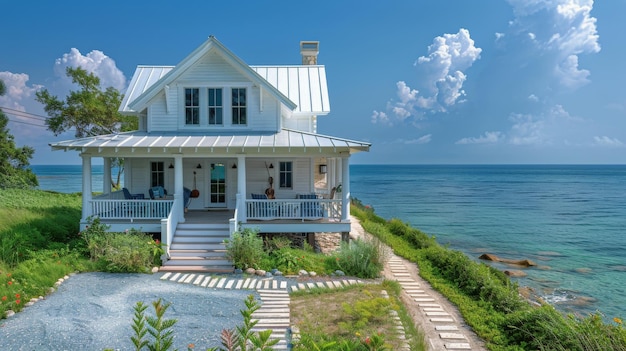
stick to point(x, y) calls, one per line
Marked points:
point(302, 209)
point(131, 209)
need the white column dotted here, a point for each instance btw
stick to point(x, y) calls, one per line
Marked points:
point(241, 187)
point(106, 177)
point(86, 187)
point(178, 187)
point(345, 188)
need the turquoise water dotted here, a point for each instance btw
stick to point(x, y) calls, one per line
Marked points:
point(570, 220)
point(66, 178)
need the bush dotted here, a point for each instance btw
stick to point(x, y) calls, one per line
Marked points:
point(361, 258)
point(131, 251)
point(245, 249)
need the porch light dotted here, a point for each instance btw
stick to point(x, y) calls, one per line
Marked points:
point(199, 166)
point(323, 169)
point(171, 166)
point(234, 166)
point(271, 166)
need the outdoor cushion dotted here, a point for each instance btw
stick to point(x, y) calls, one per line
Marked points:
point(259, 196)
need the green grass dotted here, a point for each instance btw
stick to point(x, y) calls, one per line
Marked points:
point(487, 299)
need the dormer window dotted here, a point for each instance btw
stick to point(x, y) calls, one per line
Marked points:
point(239, 105)
point(216, 108)
point(192, 106)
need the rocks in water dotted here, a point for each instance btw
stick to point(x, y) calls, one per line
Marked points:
point(583, 270)
point(494, 258)
point(514, 273)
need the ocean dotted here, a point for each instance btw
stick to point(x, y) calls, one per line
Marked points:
point(569, 219)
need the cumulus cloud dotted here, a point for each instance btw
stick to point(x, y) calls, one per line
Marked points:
point(607, 141)
point(442, 78)
point(18, 91)
point(95, 62)
point(487, 138)
point(564, 28)
point(380, 117)
point(533, 98)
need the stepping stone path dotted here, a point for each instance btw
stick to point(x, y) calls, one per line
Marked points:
point(450, 334)
point(274, 292)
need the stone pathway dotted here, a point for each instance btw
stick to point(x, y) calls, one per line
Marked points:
point(274, 293)
point(446, 326)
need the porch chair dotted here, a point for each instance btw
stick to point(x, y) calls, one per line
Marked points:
point(129, 196)
point(157, 192)
point(310, 209)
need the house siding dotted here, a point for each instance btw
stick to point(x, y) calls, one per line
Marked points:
point(213, 71)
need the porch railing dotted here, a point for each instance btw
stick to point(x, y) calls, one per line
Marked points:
point(298, 209)
point(131, 209)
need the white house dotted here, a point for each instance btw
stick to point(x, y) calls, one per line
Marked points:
point(231, 133)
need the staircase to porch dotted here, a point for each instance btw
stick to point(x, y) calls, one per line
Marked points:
point(199, 247)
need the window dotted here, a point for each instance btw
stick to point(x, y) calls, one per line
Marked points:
point(192, 106)
point(286, 175)
point(157, 174)
point(239, 105)
point(215, 106)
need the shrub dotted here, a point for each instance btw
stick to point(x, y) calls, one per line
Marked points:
point(361, 258)
point(131, 251)
point(245, 249)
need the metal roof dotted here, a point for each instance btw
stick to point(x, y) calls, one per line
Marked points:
point(284, 141)
point(305, 86)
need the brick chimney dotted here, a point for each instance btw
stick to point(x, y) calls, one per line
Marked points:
point(309, 51)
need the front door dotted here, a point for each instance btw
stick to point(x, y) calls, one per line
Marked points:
point(217, 196)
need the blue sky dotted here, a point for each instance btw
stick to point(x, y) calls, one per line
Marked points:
point(431, 81)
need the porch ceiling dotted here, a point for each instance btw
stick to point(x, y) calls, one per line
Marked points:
point(285, 141)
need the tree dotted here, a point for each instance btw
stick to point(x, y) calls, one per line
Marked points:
point(15, 169)
point(90, 111)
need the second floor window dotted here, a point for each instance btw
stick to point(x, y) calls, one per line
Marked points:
point(239, 105)
point(216, 109)
point(192, 106)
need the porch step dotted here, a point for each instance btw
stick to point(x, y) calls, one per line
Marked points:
point(199, 247)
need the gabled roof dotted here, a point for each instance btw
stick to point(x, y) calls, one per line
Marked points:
point(304, 85)
point(212, 44)
point(286, 140)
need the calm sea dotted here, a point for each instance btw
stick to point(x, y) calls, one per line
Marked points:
point(569, 219)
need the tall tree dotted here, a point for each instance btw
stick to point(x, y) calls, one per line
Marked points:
point(15, 169)
point(89, 111)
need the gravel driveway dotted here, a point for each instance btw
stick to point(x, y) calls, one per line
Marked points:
point(94, 311)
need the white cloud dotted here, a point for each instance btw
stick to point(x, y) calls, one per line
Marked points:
point(442, 77)
point(533, 98)
point(487, 138)
point(421, 140)
point(499, 35)
point(526, 130)
point(607, 141)
point(380, 117)
point(570, 75)
point(95, 62)
point(18, 91)
point(562, 27)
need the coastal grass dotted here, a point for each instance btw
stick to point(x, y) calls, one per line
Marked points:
point(489, 302)
point(352, 318)
point(40, 242)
